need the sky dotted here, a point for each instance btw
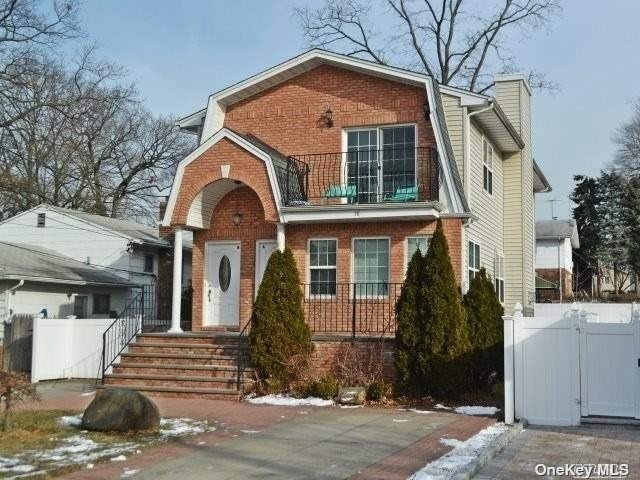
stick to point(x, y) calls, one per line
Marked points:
point(178, 53)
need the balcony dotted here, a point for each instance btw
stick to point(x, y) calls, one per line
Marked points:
point(389, 176)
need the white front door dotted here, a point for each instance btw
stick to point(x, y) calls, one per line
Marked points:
point(264, 249)
point(222, 284)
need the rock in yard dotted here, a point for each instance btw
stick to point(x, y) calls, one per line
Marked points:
point(122, 410)
point(352, 395)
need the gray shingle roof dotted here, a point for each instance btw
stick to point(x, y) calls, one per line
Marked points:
point(26, 262)
point(554, 229)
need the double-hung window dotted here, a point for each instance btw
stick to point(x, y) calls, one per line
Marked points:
point(371, 266)
point(474, 260)
point(499, 277)
point(414, 244)
point(381, 163)
point(487, 167)
point(322, 266)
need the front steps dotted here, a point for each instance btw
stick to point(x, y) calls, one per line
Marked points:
point(189, 365)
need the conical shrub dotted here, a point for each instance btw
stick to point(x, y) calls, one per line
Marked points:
point(278, 329)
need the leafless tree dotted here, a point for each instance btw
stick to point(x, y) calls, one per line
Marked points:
point(627, 140)
point(458, 42)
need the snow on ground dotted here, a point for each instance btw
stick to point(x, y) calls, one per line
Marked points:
point(476, 410)
point(415, 410)
point(288, 401)
point(175, 427)
point(439, 406)
point(463, 454)
point(14, 465)
point(70, 420)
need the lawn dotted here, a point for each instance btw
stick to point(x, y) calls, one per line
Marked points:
point(41, 443)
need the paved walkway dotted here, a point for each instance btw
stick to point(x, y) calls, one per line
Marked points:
point(253, 441)
point(558, 446)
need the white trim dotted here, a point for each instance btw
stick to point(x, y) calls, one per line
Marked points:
point(221, 134)
point(362, 212)
point(353, 264)
point(474, 268)
point(255, 266)
point(489, 144)
point(308, 294)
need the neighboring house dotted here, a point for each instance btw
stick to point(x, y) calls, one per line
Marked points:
point(38, 281)
point(349, 164)
point(555, 242)
point(128, 250)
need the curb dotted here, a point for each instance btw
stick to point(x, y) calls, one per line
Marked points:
point(491, 451)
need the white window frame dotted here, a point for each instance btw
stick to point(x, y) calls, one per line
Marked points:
point(316, 296)
point(379, 128)
point(407, 259)
point(498, 275)
point(487, 165)
point(477, 251)
point(353, 266)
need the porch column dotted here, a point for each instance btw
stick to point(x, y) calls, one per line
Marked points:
point(280, 236)
point(177, 282)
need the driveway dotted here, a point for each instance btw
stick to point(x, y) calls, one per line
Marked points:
point(586, 444)
point(258, 441)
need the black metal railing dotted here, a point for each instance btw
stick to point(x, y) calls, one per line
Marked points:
point(363, 176)
point(120, 333)
point(157, 309)
point(353, 308)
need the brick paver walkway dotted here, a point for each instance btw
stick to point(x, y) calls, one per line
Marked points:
point(558, 446)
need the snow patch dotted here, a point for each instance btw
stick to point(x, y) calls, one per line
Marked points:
point(250, 432)
point(415, 410)
point(439, 406)
point(351, 406)
point(288, 401)
point(177, 427)
point(128, 472)
point(119, 458)
point(400, 420)
point(13, 465)
point(463, 454)
point(71, 421)
point(476, 410)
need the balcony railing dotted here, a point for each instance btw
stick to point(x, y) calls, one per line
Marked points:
point(387, 175)
point(351, 308)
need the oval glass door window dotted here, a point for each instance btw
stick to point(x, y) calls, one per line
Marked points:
point(224, 273)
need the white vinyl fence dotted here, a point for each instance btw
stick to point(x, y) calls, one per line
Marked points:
point(572, 361)
point(67, 348)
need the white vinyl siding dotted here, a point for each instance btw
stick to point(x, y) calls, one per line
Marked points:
point(454, 115)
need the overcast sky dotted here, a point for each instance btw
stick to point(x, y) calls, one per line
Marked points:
point(178, 56)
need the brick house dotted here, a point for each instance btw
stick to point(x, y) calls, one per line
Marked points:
point(350, 164)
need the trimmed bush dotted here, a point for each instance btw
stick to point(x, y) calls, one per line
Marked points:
point(325, 387)
point(431, 338)
point(377, 391)
point(278, 329)
point(484, 319)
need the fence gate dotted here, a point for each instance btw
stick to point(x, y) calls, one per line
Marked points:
point(610, 368)
point(564, 364)
point(18, 338)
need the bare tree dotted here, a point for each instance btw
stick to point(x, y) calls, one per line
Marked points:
point(458, 42)
point(627, 140)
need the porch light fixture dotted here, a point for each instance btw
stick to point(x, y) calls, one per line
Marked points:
point(327, 116)
point(236, 218)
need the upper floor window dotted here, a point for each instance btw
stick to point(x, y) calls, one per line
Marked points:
point(322, 266)
point(148, 263)
point(474, 260)
point(42, 219)
point(381, 162)
point(487, 167)
point(498, 273)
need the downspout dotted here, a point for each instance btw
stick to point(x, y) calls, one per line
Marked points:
point(10, 292)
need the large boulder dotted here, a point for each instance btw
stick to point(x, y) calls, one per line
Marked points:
point(352, 395)
point(121, 410)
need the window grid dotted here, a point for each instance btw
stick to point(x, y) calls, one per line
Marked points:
point(414, 243)
point(322, 266)
point(371, 266)
point(474, 260)
point(487, 167)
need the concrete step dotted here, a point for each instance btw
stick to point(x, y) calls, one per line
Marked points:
point(182, 370)
point(173, 381)
point(181, 392)
point(202, 359)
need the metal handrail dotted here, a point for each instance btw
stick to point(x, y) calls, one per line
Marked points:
point(119, 334)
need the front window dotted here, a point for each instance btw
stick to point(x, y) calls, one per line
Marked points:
point(487, 167)
point(474, 260)
point(101, 304)
point(371, 266)
point(417, 243)
point(381, 163)
point(148, 263)
point(499, 276)
point(80, 306)
point(322, 266)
